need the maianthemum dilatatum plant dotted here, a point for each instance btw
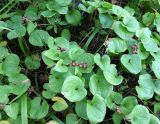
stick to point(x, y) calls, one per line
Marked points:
point(53, 79)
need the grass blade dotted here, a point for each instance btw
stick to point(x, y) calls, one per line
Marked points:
point(24, 116)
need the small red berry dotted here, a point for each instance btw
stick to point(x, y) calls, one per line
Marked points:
point(85, 65)
point(2, 106)
point(118, 110)
point(30, 90)
point(73, 64)
point(81, 65)
point(63, 49)
point(135, 49)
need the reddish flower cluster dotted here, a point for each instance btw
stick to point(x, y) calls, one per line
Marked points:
point(118, 110)
point(30, 90)
point(25, 19)
point(2, 106)
point(135, 49)
point(82, 65)
point(61, 49)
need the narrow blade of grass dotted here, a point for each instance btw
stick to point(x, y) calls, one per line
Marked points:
point(85, 47)
point(56, 119)
point(21, 45)
point(24, 115)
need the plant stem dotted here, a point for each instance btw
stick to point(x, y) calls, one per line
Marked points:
point(85, 37)
point(10, 2)
point(15, 99)
point(36, 82)
point(90, 38)
point(21, 45)
point(24, 109)
point(56, 119)
point(102, 44)
point(5, 15)
point(13, 5)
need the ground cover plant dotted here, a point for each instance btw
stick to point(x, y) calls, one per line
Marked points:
point(79, 62)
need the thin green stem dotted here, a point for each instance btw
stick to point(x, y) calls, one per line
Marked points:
point(24, 116)
point(36, 83)
point(42, 121)
point(85, 37)
point(26, 47)
point(10, 2)
point(103, 42)
point(14, 99)
point(101, 45)
point(13, 5)
point(56, 119)
point(39, 95)
point(3, 16)
point(90, 38)
point(22, 46)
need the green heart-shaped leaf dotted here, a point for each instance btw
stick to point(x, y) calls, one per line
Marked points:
point(49, 56)
point(140, 115)
point(117, 118)
point(73, 89)
point(60, 104)
point(53, 5)
point(148, 18)
point(96, 109)
point(38, 38)
point(122, 31)
point(66, 34)
point(61, 42)
point(32, 62)
point(113, 100)
point(157, 21)
point(106, 20)
point(132, 63)
point(63, 2)
point(157, 87)
point(12, 110)
point(154, 119)
point(72, 118)
point(131, 23)
point(31, 27)
point(101, 62)
point(4, 52)
point(98, 85)
point(20, 83)
point(143, 33)
point(48, 92)
point(5, 91)
point(156, 55)
point(117, 45)
point(75, 52)
point(18, 31)
point(143, 54)
point(119, 11)
point(150, 45)
point(38, 108)
point(11, 63)
point(146, 86)
point(59, 67)
point(73, 17)
point(56, 81)
point(128, 104)
point(81, 110)
point(48, 13)
point(111, 75)
point(4, 26)
point(31, 13)
point(156, 67)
